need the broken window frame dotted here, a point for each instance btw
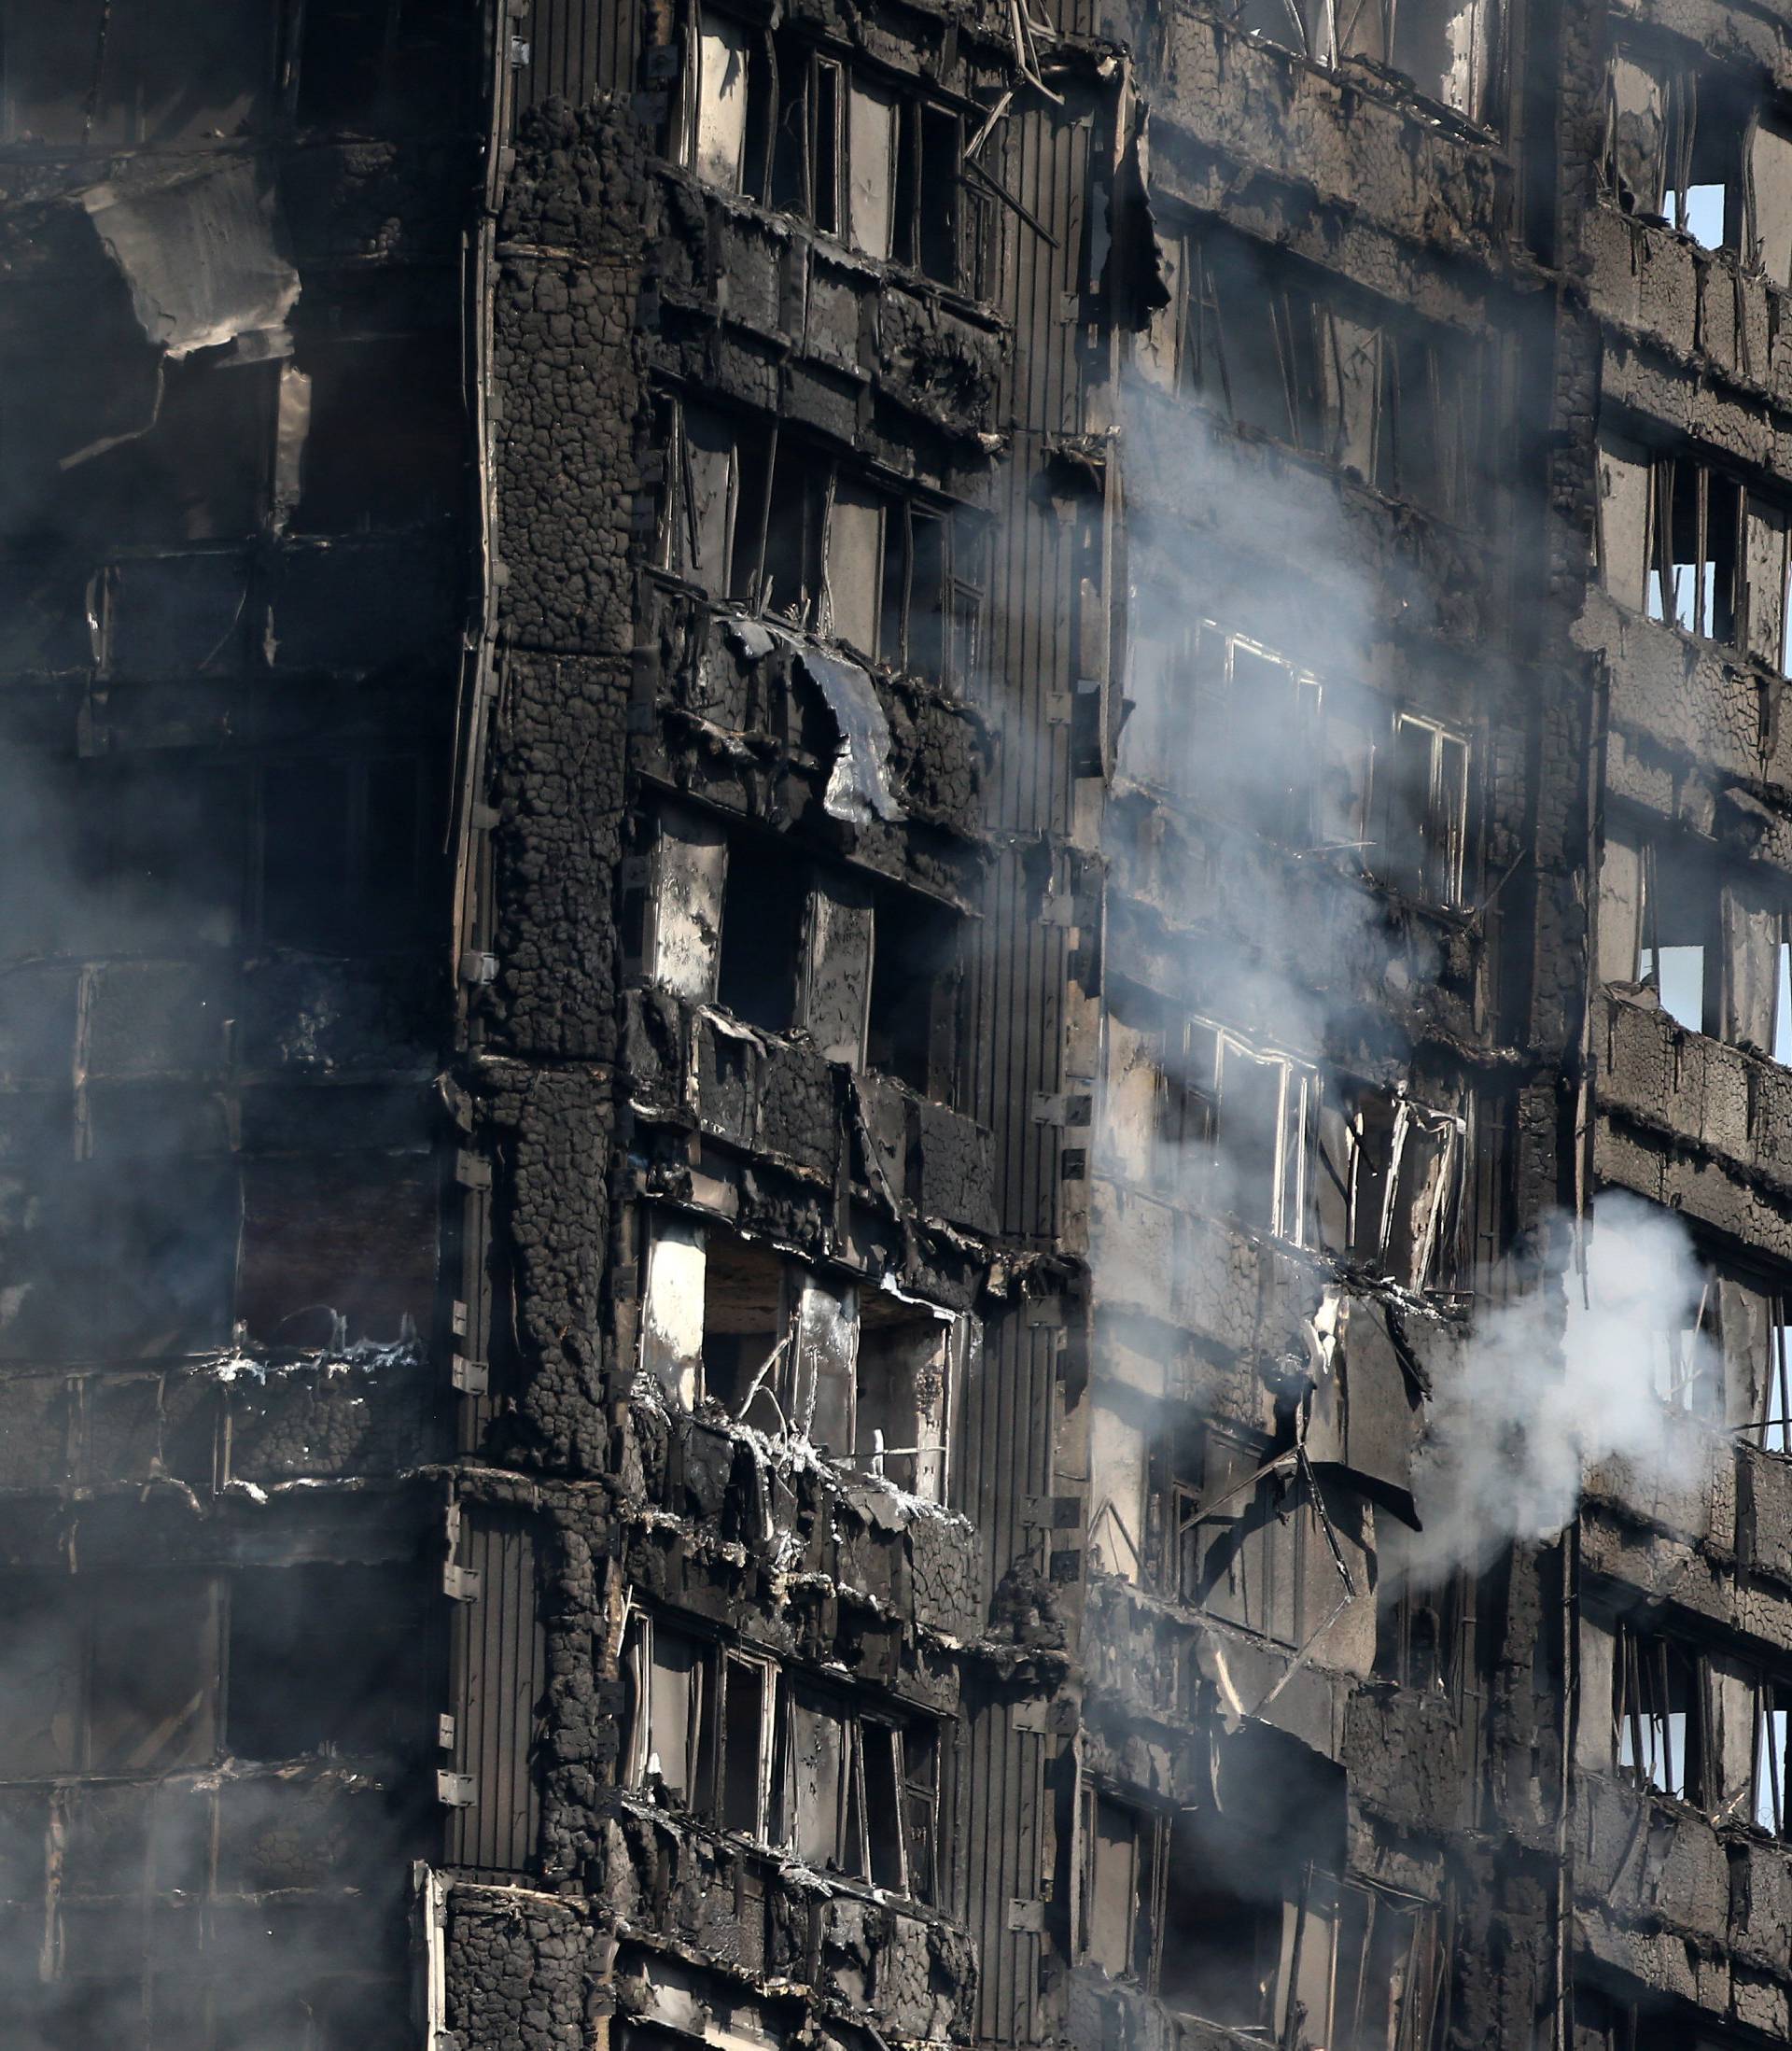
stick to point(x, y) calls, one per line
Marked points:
point(1293, 1186)
point(910, 1852)
point(1649, 1671)
point(1650, 946)
point(1637, 550)
point(929, 1477)
point(811, 1375)
point(1187, 1063)
point(1687, 1366)
point(866, 966)
point(917, 982)
point(1692, 142)
point(1314, 31)
point(803, 488)
point(1702, 596)
point(1412, 1987)
point(1379, 1187)
point(1424, 1635)
point(749, 457)
point(1433, 869)
point(1770, 1755)
point(715, 1668)
point(1286, 809)
point(704, 27)
point(798, 140)
point(1428, 426)
point(1293, 353)
point(1773, 1426)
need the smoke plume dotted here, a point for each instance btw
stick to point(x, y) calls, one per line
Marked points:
point(1568, 1375)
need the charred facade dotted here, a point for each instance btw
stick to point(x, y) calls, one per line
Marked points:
point(854, 849)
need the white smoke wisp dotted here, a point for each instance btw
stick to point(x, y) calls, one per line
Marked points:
point(1560, 1381)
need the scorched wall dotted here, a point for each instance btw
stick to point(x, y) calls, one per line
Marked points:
point(836, 834)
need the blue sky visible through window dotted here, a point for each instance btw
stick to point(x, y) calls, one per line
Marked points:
point(1704, 214)
point(1681, 983)
point(1783, 1010)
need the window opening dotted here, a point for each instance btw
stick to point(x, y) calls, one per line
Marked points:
point(1262, 1131)
point(1675, 939)
point(322, 1659)
point(1291, 355)
point(701, 1724)
point(746, 1314)
point(1403, 1171)
point(107, 1674)
point(912, 1031)
point(1418, 1626)
point(908, 1359)
point(765, 899)
point(1776, 1396)
point(1121, 1849)
point(1686, 1362)
point(1661, 1736)
point(1772, 1806)
point(1427, 810)
point(1696, 517)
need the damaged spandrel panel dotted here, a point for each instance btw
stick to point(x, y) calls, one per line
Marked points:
point(1249, 1535)
point(202, 255)
point(864, 1375)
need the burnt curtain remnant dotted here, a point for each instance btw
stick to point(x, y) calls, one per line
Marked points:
point(894, 996)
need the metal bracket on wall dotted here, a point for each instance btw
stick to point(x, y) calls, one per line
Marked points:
point(455, 1791)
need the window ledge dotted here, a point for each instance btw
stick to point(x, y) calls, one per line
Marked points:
point(778, 1860)
point(1384, 84)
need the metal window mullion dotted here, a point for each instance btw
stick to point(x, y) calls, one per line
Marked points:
point(1159, 1894)
point(1369, 1910)
point(1211, 300)
point(1702, 624)
point(1780, 1756)
point(693, 1729)
point(1287, 2034)
point(1661, 474)
point(1689, 130)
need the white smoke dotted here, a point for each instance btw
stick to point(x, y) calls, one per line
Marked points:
point(1570, 1374)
